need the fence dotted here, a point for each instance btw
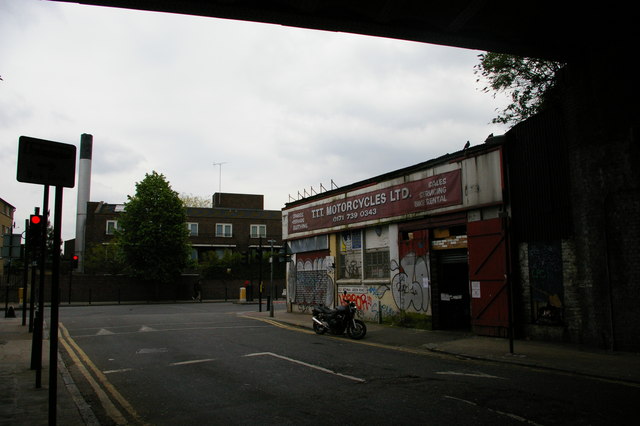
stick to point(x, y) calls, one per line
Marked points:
point(78, 289)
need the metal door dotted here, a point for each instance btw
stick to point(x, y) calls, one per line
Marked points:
point(487, 243)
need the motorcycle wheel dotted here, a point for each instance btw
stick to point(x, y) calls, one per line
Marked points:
point(319, 329)
point(358, 331)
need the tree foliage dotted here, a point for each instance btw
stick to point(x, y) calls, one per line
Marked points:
point(104, 258)
point(152, 231)
point(530, 82)
point(191, 200)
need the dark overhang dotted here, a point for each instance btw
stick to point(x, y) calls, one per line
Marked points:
point(545, 29)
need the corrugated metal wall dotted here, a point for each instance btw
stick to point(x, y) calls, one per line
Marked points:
point(538, 173)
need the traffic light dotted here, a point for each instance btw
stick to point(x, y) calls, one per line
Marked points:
point(284, 255)
point(74, 261)
point(34, 233)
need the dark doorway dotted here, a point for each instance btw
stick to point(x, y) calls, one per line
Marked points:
point(453, 282)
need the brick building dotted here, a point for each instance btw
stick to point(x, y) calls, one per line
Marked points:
point(6, 224)
point(238, 224)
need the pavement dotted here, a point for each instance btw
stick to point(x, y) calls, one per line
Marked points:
point(24, 404)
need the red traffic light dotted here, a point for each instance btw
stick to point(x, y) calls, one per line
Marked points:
point(75, 257)
point(35, 232)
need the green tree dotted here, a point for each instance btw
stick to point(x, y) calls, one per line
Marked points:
point(152, 233)
point(104, 258)
point(190, 200)
point(530, 82)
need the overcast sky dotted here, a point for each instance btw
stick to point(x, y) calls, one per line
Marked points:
point(284, 109)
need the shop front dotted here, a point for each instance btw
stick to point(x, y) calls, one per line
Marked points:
point(408, 244)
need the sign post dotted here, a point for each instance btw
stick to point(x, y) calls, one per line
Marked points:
point(49, 163)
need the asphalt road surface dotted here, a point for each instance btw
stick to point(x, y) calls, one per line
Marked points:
point(208, 364)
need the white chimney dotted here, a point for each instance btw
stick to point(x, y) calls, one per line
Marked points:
point(84, 188)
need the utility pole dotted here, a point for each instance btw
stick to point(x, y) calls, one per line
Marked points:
point(260, 276)
point(272, 292)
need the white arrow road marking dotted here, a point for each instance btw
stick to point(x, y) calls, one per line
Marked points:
point(144, 328)
point(459, 373)
point(103, 332)
point(315, 367)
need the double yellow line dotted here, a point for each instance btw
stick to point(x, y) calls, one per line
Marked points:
point(108, 395)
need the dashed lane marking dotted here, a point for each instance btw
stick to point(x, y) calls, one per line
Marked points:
point(194, 361)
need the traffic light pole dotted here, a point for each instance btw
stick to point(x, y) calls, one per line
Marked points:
point(55, 305)
point(260, 276)
point(271, 289)
point(38, 330)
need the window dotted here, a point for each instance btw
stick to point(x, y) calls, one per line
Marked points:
point(224, 230)
point(350, 256)
point(258, 231)
point(376, 263)
point(193, 229)
point(112, 227)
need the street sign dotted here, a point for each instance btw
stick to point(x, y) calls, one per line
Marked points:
point(45, 162)
point(11, 246)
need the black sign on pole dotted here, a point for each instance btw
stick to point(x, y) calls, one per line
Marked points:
point(46, 162)
point(50, 164)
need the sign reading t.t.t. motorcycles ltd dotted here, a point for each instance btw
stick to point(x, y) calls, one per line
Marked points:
point(430, 193)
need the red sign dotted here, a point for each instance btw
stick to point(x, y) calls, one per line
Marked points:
point(411, 197)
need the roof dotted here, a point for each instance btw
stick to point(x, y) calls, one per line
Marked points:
point(204, 212)
point(490, 143)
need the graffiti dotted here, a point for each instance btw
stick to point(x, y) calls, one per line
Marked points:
point(409, 285)
point(363, 301)
point(352, 269)
point(312, 284)
point(546, 282)
point(304, 306)
point(387, 311)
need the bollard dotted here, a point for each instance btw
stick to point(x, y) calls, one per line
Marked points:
point(243, 295)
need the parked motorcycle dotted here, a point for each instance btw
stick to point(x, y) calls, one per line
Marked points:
point(338, 321)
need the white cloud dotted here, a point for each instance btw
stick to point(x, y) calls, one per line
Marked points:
point(285, 109)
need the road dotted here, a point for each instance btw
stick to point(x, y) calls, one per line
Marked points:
point(207, 363)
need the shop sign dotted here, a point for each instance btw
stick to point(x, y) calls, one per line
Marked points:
point(426, 194)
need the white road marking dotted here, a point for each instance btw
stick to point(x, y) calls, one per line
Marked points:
point(152, 350)
point(146, 329)
point(194, 361)
point(121, 370)
point(103, 332)
point(502, 413)
point(458, 373)
point(315, 367)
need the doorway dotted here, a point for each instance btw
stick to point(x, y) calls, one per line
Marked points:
point(453, 285)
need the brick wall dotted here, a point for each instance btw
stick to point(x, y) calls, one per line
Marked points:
point(602, 122)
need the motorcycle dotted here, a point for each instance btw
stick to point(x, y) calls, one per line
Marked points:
point(338, 321)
